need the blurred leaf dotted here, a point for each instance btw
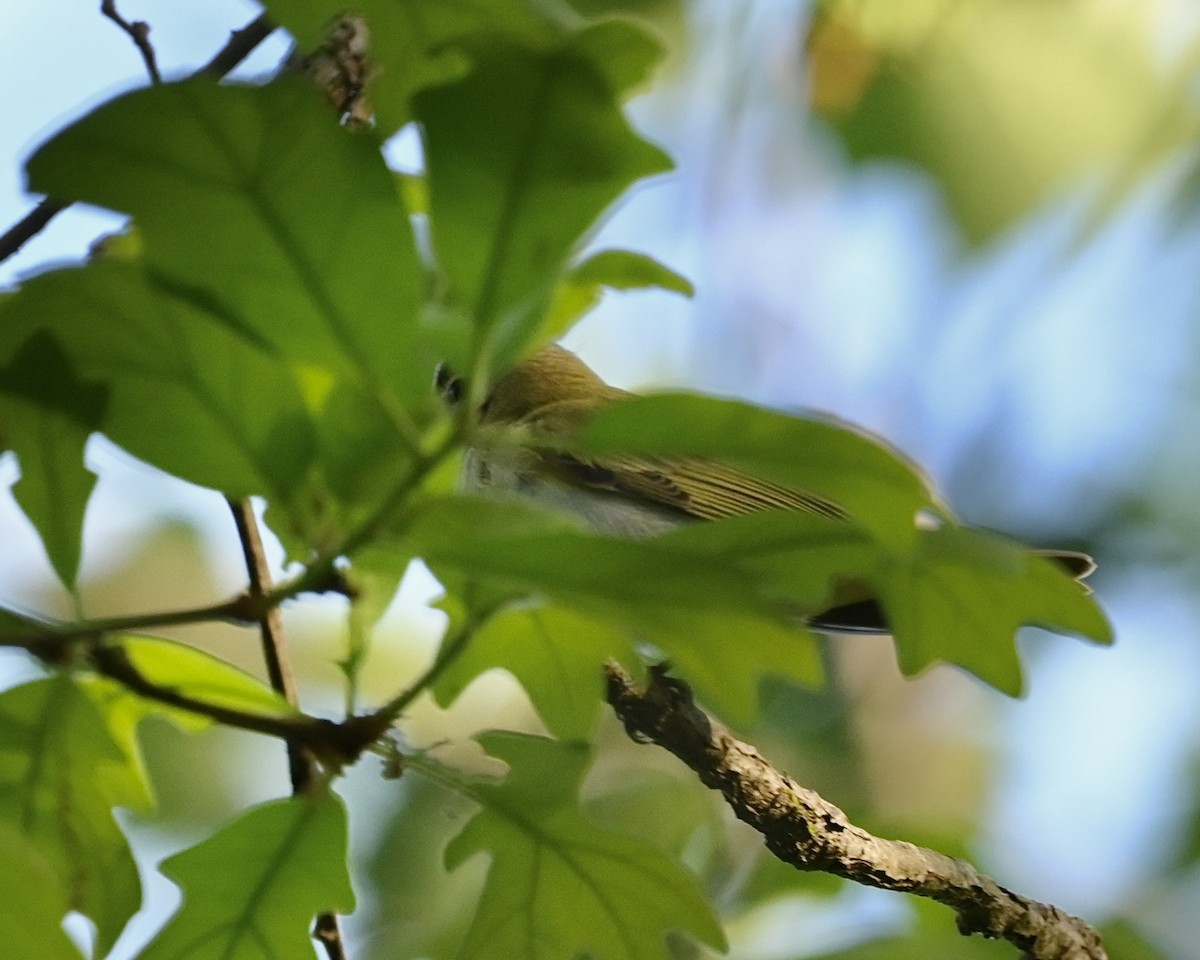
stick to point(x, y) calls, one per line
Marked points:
point(33, 901)
point(252, 890)
point(410, 42)
point(46, 414)
point(559, 885)
point(1003, 103)
point(185, 393)
point(554, 653)
point(194, 673)
point(60, 778)
point(876, 485)
point(523, 154)
point(708, 617)
point(1123, 939)
point(662, 809)
point(257, 208)
point(583, 287)
point(626, 270)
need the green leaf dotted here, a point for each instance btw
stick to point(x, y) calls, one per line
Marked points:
point(409, 41)
point(554, 653)
point(560, 886)
point(523, 154)
point(965, 592)
point(254, 205)
point(194, 673)
point(60, 776)
point(185, 392)
point(876, 485)
point(708, 617)
point(959, 596)
point(583, 287)
point(46, 414)
point(252, 889)
point(626, 270)
point(33, 901)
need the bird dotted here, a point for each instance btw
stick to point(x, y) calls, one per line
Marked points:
point(553, 393)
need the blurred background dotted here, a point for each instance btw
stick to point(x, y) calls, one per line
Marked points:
point(972, 227)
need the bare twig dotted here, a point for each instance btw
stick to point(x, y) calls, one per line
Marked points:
point(29, 226)
point(50, 640)
point(270, 625)
point(241, 43)
point(803, 829)
point(301, 762)
point(139, 33)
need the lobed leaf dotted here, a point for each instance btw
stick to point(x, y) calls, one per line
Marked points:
point(705, 615)
point(966, 592)
point(523, 154)
point(46, 414)
point(60, 775)
point(253, 203)
point(958, 596)
point(560, 886)
point(554, 653)
point(185, 392)
point(252, 889)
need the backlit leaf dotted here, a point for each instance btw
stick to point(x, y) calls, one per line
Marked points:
point(559, 885)
point(251, 890)
point(60, 775)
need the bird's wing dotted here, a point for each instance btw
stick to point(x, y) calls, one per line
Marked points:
point(697, 488)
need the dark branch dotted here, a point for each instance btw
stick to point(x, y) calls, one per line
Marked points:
point(139, 33)
point(803, 829)
point(241, 44)
point(302, 765)
point(29, 226)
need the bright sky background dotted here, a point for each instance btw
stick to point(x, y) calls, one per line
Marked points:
point(1038, 386)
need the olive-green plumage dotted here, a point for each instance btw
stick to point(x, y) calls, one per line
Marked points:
point(553, 393)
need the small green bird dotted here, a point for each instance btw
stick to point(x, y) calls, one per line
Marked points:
point(553, 393)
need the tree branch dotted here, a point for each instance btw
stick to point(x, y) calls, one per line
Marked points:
point(139, 33)
point(241, 43)
point(50, 641)
point(301, 762)
point(803, 829)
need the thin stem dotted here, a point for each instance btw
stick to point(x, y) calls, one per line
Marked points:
point(29, 226)
point(301, 762)
point(270, 626)
point(452, 648)
point(240, 45)
point(318, 574)
point(43, 639)
point(111, 661)
point(139, 33)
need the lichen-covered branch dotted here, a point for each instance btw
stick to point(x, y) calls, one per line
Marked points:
point(805, 830)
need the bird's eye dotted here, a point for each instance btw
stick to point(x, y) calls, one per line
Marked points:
point(448, 385)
